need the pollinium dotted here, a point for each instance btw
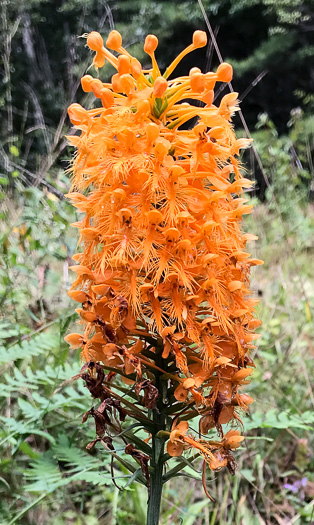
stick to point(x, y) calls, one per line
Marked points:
point(167, 314)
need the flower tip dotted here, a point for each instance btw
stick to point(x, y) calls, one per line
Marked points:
point(160, 86)
point(107, 97)
point(124, 64)
point(197, 81)
point(224, 72)
point(77, 114)
point(95, 41)
point(114, 40)
point(150, 45)
point(136, 68)
point(99, 59)
point(96, 87)
point(86, 81)
point(152, 131)
point(199, 39)
point(194, 70)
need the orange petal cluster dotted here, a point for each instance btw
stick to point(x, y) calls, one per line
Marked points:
point(215, 453)
point(158, 181)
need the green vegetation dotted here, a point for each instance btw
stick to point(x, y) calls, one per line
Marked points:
point(46, 473)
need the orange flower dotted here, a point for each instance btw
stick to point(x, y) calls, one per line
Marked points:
point(215, 453)
point(164, 268)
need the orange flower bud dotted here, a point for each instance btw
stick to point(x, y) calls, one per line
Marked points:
point(224, 72)
point(114, 40)
point(150, 45)
point(194, 70)
point(197, 81)
point(77, 114)
point(96, 86)
point(99, 59)
point(107, 97)
point(116, 83)
point(136, 68)
point(199, 39)
point(86, 83)
point(251, 337)
point(160, 86)
point(95, 41)
point(143, 108)
point(152, 132)
point(124, 64)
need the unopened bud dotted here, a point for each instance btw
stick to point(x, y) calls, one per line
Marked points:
point(224, 72)
point(194, 70)
point(199, 38)
point(107, 97)
point(95, 41)
point(160, 86)
point(123, 65)
point(116, 83)
point(86, 83)
point(77, 114)
point(197, 82)
point(96, 86)
point(114, 40)
point(152, 132)
point(150, 45)
point(143, 108)
point(136, 68)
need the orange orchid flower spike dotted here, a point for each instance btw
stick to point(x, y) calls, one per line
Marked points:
point(163, 272)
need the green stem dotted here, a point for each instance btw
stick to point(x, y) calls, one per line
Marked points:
point(156, 481)
point(158, 442)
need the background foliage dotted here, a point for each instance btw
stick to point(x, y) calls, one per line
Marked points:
point(46, 475)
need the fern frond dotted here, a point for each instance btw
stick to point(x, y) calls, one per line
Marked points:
point(37, 345)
